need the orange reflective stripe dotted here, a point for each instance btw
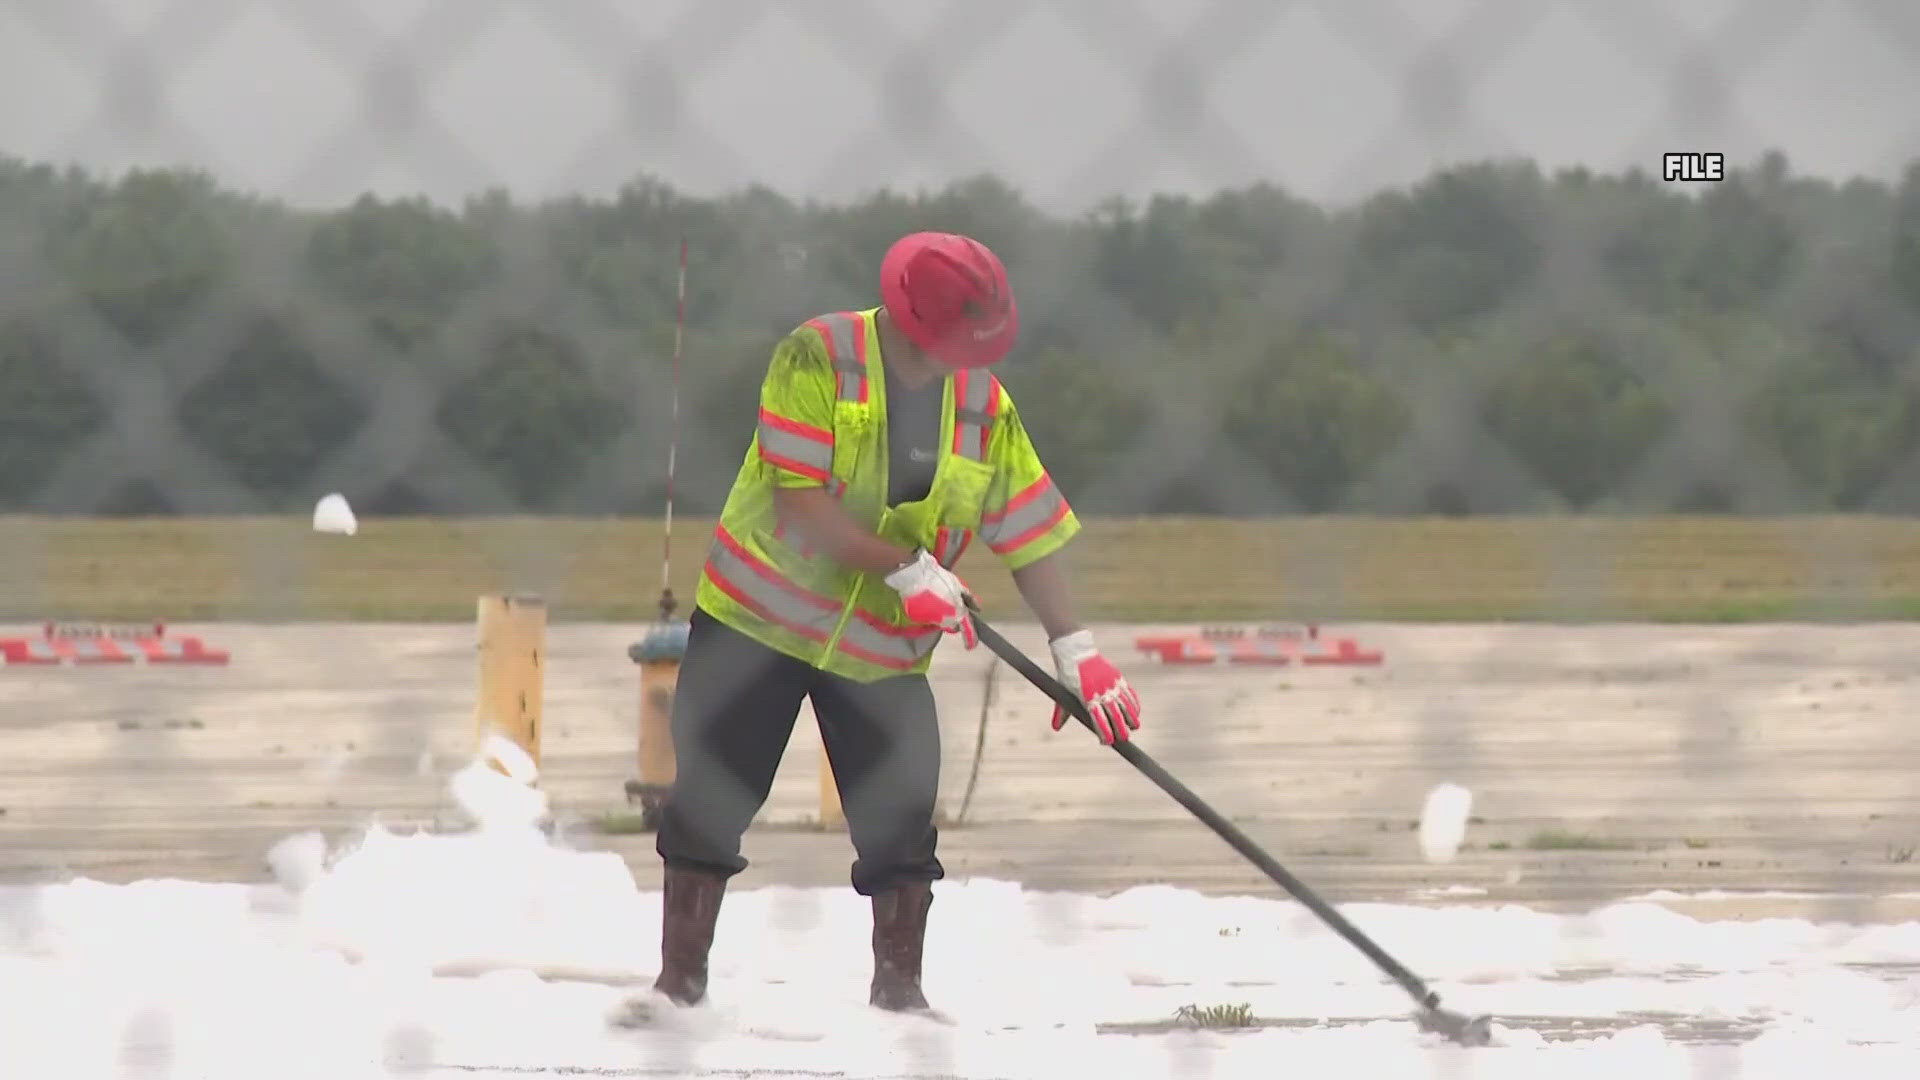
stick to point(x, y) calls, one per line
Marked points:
point(762, 590)
point(976, 399)
point(794, 446)
point(1027, 516)
point(767, 593)
point(950, 544)
point(900, 647)
point(845, 335)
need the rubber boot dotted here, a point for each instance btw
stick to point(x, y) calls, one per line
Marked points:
point(899, 935)
point(689, 909)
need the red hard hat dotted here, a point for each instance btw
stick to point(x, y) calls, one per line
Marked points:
point(949, 295)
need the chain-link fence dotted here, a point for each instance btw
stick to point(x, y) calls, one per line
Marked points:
point(1351, 314)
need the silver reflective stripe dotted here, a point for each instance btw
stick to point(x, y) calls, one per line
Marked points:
point(844, 333)
point(810, 615)
point(743, 581)
point(949, 545)
point(889, 650)
point(840, 328)
point(787, 447)
point(851, 380)
point(1040, 508)
point(974, 394)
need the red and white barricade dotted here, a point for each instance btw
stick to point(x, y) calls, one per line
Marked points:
point(97, 643)
point(1273, 646)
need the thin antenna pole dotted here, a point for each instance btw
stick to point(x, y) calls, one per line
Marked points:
point(667, 603)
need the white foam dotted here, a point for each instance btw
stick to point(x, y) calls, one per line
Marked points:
point(496, 801)
point(509, 757)
point(332, 514)
point(1443, 822)
point(298, 861)
point(332, 973)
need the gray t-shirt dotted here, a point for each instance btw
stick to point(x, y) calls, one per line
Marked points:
point(913, 438)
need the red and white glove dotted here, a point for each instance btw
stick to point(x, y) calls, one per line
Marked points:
point(934, 596)
point(1109, 698)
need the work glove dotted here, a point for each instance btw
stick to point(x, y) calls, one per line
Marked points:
point(934, 596)
point(1109, 699)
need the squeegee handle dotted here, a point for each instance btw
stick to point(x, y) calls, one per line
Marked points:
point(1198, 807)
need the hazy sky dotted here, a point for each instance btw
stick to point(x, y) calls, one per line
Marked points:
point(1072, 100)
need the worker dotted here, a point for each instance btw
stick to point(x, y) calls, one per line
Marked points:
point(883, 450)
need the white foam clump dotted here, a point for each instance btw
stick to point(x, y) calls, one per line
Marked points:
point(499, 896)
point(332, 514)
point(1443, 822)
point(497, 789)
point(509, 757)
point(298, 861)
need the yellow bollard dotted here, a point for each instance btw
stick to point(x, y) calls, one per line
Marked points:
point(513, 631)
point(832, 815)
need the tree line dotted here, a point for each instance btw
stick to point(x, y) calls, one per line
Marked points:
point(1495, 338)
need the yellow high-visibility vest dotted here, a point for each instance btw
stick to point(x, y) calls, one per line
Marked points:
point(823, 416)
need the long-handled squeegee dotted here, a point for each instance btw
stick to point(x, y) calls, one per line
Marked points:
point(1467, 1031)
